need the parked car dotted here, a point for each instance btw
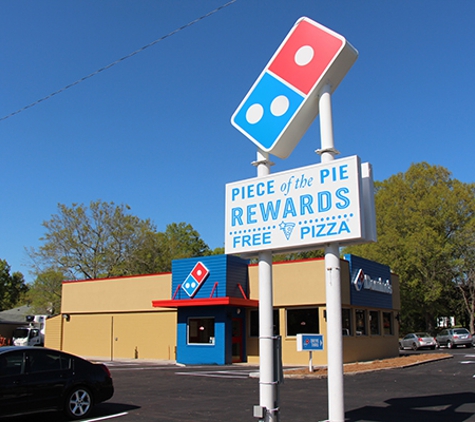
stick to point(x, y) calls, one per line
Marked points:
point(36, 379)
point(417, 341)
point(453, 337)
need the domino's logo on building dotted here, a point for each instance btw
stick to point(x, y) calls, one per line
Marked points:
point(283, 102)
point(195, 279)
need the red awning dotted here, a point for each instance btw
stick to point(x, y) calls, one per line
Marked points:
point(215, 301)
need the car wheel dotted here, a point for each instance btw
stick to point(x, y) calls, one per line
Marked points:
point(78, 403)
point(401, 347)
point(432, 347)
point(450, 345)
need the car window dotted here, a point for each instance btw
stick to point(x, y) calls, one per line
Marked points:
point(461, 331)
point(443, 333)
point(11, 363)
point(408, 337)
point(43, 360)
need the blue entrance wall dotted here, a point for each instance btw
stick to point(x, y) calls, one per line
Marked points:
point(225, 273)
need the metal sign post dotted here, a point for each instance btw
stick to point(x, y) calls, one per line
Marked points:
point(267, 384)
point(336, 407)
point(261, 217)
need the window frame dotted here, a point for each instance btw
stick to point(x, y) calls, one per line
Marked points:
point(306, 331)
point(211, 338)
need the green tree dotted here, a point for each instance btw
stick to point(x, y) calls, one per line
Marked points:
point(420, 217)
point(180, 241)
point(12, 287)
point(44, 294)
point(91, 242)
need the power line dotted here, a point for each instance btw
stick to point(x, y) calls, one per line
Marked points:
point(128, 56)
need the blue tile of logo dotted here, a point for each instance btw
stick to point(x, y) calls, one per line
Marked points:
point(190, 286)
point(267, 110)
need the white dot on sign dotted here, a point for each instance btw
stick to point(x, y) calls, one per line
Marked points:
point(279, 105)
point(254, 113)
point(187, 285)
point(199, 272)
point(304, 55)
point(193, 285)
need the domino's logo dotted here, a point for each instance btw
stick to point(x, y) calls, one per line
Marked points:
point(279, 107)
point(195, 279)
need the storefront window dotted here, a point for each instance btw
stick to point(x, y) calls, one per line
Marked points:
point(374, 323)
point(346, 322)
point(302, 321)
point(388, 323)
point(360, 318)
point(201, 331)
point(254, 323)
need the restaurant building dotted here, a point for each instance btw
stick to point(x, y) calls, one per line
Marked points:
point(206, 312)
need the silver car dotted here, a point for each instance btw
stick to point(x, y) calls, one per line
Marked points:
point(417, 341)
point(453, 337)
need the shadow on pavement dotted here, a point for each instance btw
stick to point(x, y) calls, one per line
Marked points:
point(439, 408)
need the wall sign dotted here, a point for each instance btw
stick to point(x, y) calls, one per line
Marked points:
point(195, 279)
point(296, 209)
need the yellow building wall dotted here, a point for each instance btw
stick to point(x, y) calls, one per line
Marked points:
point(53, 332)
point(114, 319)
point(302, 284)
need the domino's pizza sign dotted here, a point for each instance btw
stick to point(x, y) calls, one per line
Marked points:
point(283, 102)
point(195, 279)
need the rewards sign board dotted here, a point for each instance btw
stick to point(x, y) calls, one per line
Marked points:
point(283, 102)
point(298, 209)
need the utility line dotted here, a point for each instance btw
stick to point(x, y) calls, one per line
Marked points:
point(128, 56)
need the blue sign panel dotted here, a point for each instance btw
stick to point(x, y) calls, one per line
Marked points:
point(370, 283)
point(267, 110)
point(309, 342)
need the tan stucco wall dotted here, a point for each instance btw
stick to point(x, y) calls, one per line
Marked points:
point(302, 283)
point(115, 294)
point(129, 335)
point(114, 318)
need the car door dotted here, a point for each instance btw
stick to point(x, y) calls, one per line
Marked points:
point(13, 392)
point(47, 376)
point(407, 340)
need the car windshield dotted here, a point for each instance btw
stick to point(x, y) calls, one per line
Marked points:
point(423, 335)
point(461, 331)
point(20, 333)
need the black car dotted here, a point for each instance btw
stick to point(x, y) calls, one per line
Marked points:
point(34, 379)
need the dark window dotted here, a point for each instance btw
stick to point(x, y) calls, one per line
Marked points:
point(346, 322)
point(302, 321)
point(374, 323)
point(360, 318)
point(11, 363)
point(254, 323)
point(201, 331)
point(388, 323)
point(42, 361)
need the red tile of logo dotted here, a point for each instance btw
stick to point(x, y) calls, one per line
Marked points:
point(305, 55)
point(199, 272)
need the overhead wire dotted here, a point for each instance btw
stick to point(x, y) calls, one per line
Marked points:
point(128, 56)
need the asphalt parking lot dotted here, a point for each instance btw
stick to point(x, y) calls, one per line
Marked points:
point(148, 391)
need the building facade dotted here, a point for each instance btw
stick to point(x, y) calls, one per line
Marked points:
point(206, 312)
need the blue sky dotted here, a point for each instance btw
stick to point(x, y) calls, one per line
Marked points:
point(154, 131)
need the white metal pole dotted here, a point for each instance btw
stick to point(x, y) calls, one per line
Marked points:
point(267, 384)
point(336, 407)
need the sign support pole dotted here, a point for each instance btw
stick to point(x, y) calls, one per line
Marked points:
point(267, 384)
point(336, 407)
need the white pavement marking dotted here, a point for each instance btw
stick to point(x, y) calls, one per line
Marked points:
point(218, 374)
point(104, 418)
